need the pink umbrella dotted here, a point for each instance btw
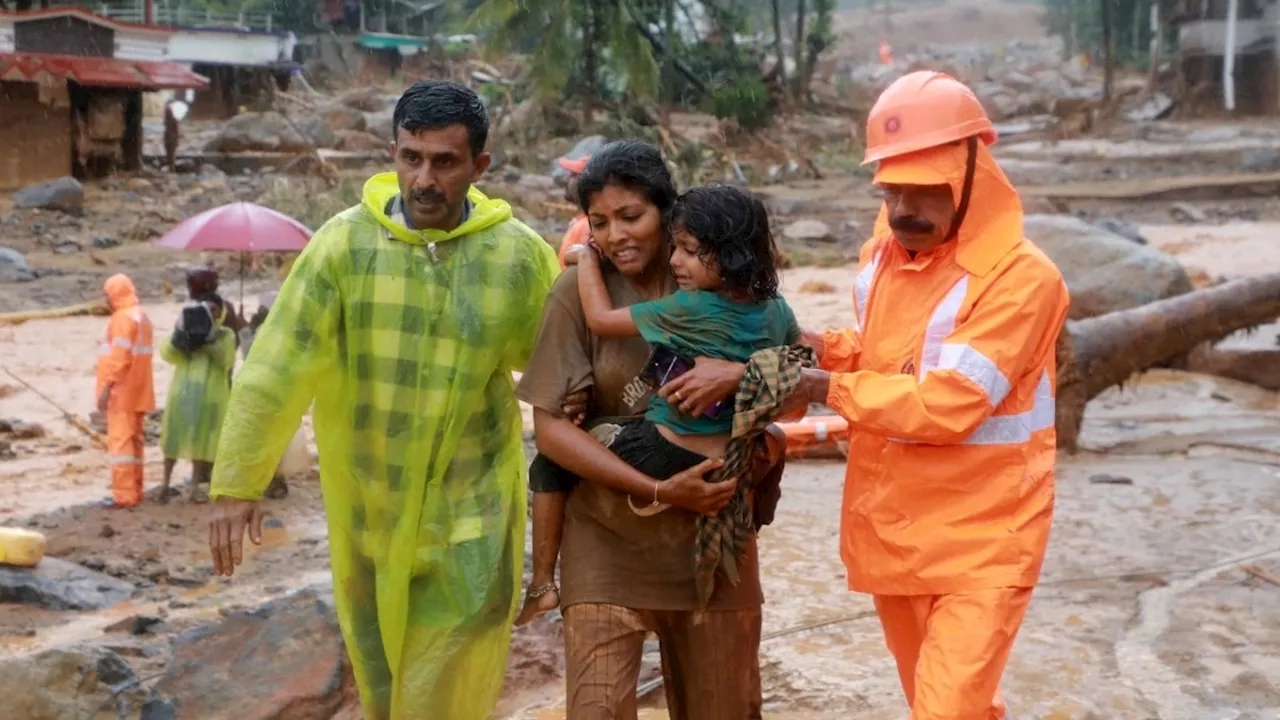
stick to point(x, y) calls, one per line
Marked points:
point(238, 227)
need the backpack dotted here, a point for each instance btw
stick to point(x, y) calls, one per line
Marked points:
point(195, 327)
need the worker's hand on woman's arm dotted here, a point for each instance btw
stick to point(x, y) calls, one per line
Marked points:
point(570, 447)
point(707, 383)
point(815, 340)
point(575, 405)
point(231, 517)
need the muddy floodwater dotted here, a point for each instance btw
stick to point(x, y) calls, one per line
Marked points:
point(1154, 601)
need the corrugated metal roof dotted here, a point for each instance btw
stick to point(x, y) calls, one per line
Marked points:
point(99, 72)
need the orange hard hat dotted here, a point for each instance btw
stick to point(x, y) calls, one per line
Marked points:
point(921, 110)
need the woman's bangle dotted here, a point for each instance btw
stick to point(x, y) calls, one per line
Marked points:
point(656, 485)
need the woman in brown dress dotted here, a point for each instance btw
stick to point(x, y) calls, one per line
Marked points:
point(624, 575)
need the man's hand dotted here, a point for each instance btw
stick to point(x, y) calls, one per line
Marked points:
point(575, 405)
point(814, 340)
point(707, 383)
point(691, 491)
point(103, 399)
point(226, 532)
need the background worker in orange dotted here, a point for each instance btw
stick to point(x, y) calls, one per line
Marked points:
point(125, 390)
point(947, 381)
point(579, 232)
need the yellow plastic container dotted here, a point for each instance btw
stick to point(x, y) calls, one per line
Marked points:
point(23, 548)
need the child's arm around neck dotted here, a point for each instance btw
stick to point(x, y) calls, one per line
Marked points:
point(602, 318)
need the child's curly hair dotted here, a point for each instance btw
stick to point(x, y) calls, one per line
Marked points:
point(732, 229)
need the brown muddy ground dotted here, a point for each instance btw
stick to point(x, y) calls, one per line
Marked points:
point(1145, 611)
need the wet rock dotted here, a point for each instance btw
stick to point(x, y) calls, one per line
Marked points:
point(536, 182)
point(366, 99)
point(1121, 228)
point(65, 194)
point(257, 132)
point(341, 117)
point(13, 266)
point(1260, 160)
point(26, 430)
point(586, 146)
point(6, 450)
point(319, 132)
point(59, 585)
point(809, 230)
point(103, 242)
point(135, 625)
point(66, 247)
point(69, 684)
point(359, 141)
point(380, 124)
point(139, 185)
point(283, 660)
point(1104, 271)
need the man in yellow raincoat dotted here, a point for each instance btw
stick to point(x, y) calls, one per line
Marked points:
point(947, 380)
point(403, 319)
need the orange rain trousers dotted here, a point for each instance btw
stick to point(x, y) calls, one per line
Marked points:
point(124, 445)
point(951, 649)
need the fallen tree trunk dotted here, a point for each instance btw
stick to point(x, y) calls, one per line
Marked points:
point(1100, 352)
point(96, 307)
point(1256, 367)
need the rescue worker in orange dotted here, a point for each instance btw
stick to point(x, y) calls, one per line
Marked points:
point(579, 232)
point(124, 389)
point(946, 378)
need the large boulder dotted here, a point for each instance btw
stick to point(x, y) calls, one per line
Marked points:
point(59, 585)
point(258, 132)
point(357, 141)
point(13, 266)
point(1105, 272)
point(283, 661)
point(340, 118)
point(65, 194)
point(69, 684)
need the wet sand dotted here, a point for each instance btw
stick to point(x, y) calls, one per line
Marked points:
point(1144, 611)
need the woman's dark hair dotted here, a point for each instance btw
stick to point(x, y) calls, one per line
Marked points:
point(632, 164)
point(732, 229)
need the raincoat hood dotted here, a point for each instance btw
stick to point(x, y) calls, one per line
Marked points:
point(120, 291)
point(993, 222)
point(382, 188)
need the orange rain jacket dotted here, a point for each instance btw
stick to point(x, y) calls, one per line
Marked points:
point(125, 357)
point(947, 380)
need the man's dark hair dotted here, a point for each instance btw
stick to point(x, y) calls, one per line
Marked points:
point(437, 104)
point(731, 226)
point(632, 164)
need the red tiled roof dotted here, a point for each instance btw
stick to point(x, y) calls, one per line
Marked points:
point(99, 72)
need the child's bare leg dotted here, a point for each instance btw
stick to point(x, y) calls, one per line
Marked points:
point(548, 530)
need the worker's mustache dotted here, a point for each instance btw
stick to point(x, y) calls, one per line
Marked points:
point(911, 224)
point(426, 195)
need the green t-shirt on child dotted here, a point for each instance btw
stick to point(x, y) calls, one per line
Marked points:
point(702, 323)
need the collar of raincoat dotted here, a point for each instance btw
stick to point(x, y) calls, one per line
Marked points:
point(993, 224)
point(120, 291)
point(485, 212)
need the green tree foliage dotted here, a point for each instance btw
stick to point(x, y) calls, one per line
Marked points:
point(1079, 24)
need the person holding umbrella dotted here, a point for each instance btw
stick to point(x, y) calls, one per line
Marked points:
point(197, 401)
point(402, 320)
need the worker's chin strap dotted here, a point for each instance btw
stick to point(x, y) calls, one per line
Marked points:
point(966, 192)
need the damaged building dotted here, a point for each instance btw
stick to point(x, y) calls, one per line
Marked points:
point(71, 85)
point(1228, 55)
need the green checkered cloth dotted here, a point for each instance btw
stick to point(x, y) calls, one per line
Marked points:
point(406, 341)
point(771, 377)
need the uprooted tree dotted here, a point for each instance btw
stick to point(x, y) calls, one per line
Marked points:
point(1100, 352)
